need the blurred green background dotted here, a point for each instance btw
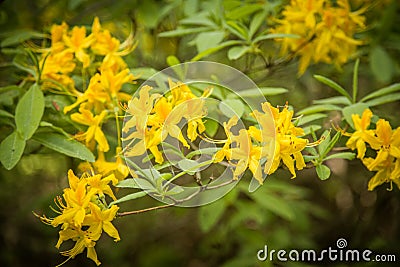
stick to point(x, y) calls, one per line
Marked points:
point(305, 213)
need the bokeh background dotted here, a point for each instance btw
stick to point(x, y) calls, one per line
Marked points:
point(304, 213)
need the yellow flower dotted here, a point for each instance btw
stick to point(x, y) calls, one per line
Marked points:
point(388, 171)
point(104, 43)
point(84, 239)
point(139, 109)
point(77, 200)
point(362, 134)
point(101, 184)
point(225, 151)
point(77, 42)
point(386, 141)
point(118, 168)
point(57, 33)
point(325, 31)
point(99, 220)
point(247, 155)
point(94, 132)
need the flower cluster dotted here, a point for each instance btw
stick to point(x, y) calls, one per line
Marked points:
point(325, 31)
point(84, 213)
point(154, 117)
point(98, 56)
point(276, 140)
point(384, 141)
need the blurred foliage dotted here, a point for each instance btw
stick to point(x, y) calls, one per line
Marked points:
point(302, 213)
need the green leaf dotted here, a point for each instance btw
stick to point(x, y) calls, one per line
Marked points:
point(129, 183)
point(183, 31)
point(6, 114)
point(323, 171)
point(255, 23)
point(322, 147)
point(383, 91)
point(29, 111)
point(188, 165)
point(381, 64)
point(318, 108)
point(20, 62)
point(383, 100)
point(355, 80)
point(309, 118)
point(9, 88)
point(237, 29)
point(357, 108)
point(211, 127)
point(274, 36)
point(173, 60)
point(336, 100)
point(143, 73)
point(207, 40)
point(201, 151)
point(341, 155)
point(232, 107)
point(11, 149)
point(129, 197)
point(20, 36)
point(330, 145)
point(243, 11)
point(266, 91)
point(215, 49)
point(62, 144)
point(200, 19)
point(274, 204)
point(210, 214)
point(312, 128)
point(333, 85)
point(237, 52)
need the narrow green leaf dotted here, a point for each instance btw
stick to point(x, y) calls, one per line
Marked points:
point(215, 49)
point(309, 118)
point(237, 52)
point(210, 214)
point(129, 197)
point(17, 37)
point(341, 155)
point(318, 109)
point(200, 19)
point(232, 107)
point(6, 114)
point(143, 73)
point(188, 165)
point(266, 91)
point(310, 129)
point(9, 88)
point(323, 171)
point(207, 151)
point(355, 80)
point(237, 29)
point(357, 108)
point(183, 31)
point(243, 11)
point(333, 85)
point(11, 149)
point(381, 64)
point(336, 100)
point(207, 40)
point(62, 144)
point(274, 204)
point(330, 145)
point(274, 36)
point(211, 127)
point(255, 23)
point(383, 91)
point(128, 183)
point(29, 111)
point(383, 100)
point(322, 147)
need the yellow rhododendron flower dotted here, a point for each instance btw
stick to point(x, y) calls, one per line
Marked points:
point(325, 31)
point(362, 134)
point(77, 42)
point(94, 131)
